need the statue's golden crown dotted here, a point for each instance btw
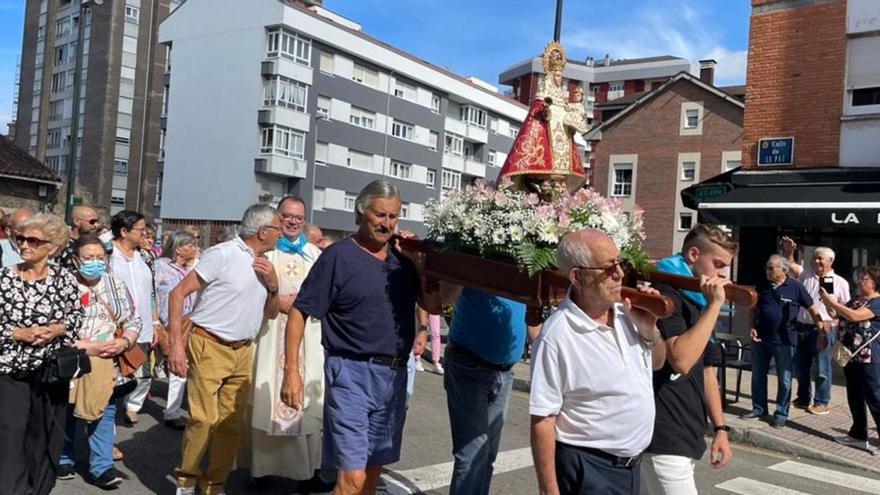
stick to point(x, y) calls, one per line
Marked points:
point(554, 57)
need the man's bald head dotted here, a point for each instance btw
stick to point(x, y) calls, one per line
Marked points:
point(18, 216)
point(85, 220)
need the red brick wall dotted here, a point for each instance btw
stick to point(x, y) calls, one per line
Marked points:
point(210, 229)
point(795, 80)
point(652, 132)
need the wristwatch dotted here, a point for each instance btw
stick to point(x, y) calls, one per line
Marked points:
point(272, 290)
point(423, 328)
point(722, 428)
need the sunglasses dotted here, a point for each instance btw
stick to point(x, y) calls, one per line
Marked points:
point(609, 268)
point(31, 241)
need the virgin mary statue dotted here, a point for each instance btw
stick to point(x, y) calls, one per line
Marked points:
point(544, 150)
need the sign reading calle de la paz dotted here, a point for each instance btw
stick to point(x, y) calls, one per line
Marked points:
point(776, 151)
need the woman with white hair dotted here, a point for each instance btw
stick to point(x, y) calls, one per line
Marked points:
point(40, 316)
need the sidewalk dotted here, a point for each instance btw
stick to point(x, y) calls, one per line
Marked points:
point(805, 435)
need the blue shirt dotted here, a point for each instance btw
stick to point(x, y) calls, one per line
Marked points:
point(491, 327)
point(777, 310)
point(366, 305)
point(10, 254)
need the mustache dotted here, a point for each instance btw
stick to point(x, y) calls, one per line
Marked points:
point(383, 229)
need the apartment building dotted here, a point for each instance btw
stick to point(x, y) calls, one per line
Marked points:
point(270, 97)
point(811, 136)
point(120, 100)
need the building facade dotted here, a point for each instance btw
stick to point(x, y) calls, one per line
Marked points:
point(24, 181)
point(811, 166)
point(268, 98)
point(683, 131)
point(120, 97)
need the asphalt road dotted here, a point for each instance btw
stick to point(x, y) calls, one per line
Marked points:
point(152, 450)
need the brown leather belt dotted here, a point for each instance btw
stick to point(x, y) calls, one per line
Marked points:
point(235, 344)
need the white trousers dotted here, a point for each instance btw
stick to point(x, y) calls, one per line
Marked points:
point(135, 400)
point(176, 386)
point(668, 475)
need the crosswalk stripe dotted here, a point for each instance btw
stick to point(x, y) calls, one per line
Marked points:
point(746, 486)
point(828, 476)
point(439, 475)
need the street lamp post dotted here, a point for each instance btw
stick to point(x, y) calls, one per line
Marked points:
point(74, 118)
point(318, 117)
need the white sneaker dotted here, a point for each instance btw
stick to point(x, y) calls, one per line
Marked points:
point(438, 368)
point(188, 490)
point(852, 442)
point(419, 366)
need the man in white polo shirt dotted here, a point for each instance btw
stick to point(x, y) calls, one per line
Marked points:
point(592, 400)
point(237, 288)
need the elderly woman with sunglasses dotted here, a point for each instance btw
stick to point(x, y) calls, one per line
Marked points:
point(859, 323)
point(40, 315)
point(107, 306)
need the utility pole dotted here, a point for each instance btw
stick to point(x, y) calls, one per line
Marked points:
point(557, 30)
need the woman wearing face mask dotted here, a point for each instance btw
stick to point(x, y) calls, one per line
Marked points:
point(107, 306)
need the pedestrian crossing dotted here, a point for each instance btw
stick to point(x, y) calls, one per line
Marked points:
point(827, 479)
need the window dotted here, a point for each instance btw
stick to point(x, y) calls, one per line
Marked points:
point(322, 152)
point(283, 141)
point(402, 130)
point(362, 118)
point(866, 96)
point(400, 170)
point(731, 164)
point(432, 140)
point(430, 179)
point(691, 119)
point(280, 42)
point(688, 171)
point(61, 54)
point(615, 90)
point(490, 158)
point(514, 130)
point(454, 145)
point(493, 125)
point(117, 197)
point(326, 63)
point(59, 82)
point(362, 161)
point(62, 27)
point(53, 138)
point(132, 14)
point(285, 92)
point(324, 106)
point(120, 167)
point(56, 109)
point(364, 75)
point(451, 180)
point(404, 210)
point(348, 202)
point(473, 115)
point(435, 103)
point(623, 178)
point(685, 221)
point(404, 90)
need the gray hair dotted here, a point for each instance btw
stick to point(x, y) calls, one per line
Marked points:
point(826, 251)
point(256, 217)
point(227, 233)
point(376, 189)
point(572, 252)
point(177, 239)
point(781, 262)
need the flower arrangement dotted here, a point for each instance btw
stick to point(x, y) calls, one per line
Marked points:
point(507, 222)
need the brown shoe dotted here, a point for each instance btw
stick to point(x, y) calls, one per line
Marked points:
point(819, 409)
point(800, 404)
point(131, 417)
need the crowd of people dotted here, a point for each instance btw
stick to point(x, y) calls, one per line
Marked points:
point(295, 355)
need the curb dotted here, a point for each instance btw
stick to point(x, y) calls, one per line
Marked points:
point(521, 385)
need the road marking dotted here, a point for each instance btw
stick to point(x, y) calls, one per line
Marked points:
point(427, 478)
point(746, 486)
point(827, 476)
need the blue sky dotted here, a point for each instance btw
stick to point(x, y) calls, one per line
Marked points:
point(483, 37)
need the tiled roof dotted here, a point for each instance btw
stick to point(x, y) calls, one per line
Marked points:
point(15, 162)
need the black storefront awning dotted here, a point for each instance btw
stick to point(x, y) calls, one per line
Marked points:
point(838, 198)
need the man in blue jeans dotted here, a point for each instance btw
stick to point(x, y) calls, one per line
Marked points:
point(486, 338)
point(780, 299)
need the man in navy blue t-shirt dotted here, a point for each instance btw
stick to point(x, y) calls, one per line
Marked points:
point(364, 291)
point(780, 299)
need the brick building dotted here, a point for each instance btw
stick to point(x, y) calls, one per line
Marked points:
point(24, 181)
point(683, 131)
point(811, 136)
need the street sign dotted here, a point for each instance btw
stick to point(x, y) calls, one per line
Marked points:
point(776, 151)
point(709, 191)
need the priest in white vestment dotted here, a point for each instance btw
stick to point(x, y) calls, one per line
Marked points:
point(283, 441)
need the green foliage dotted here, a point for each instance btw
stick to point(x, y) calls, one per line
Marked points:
point(535, 258)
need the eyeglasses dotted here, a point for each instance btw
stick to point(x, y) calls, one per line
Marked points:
point(93, 221)
point(610, 268)
point(31, 241)
point(286, 217)
point(271, 227)
point(94, 258)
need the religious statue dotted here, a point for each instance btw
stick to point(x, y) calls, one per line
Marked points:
point(543, 156)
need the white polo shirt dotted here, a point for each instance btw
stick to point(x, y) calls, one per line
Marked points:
point(595, 379)
point(230, 305)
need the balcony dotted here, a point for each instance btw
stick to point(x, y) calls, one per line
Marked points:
point(283, 166)
point(453, 162)
point(281, 115)
point(474, 168)
point(281, 66)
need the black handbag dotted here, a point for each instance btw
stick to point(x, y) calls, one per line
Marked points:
point(69, 363)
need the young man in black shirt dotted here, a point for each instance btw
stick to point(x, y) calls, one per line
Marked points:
point(686, 388)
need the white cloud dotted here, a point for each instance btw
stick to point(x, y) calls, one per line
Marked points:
point(662, 30)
